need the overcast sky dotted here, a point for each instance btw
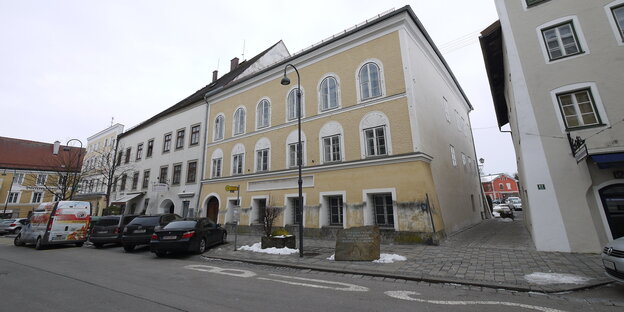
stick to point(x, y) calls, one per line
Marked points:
point(68, 67)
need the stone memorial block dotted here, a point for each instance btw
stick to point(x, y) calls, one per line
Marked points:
point(358, 244)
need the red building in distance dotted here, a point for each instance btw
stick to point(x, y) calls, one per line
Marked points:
point(499, 186)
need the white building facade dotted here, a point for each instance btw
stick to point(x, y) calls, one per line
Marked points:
point(555, 71)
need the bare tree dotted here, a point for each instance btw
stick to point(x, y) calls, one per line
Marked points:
point(106, 166)
point(66, 172)
point(268, 217)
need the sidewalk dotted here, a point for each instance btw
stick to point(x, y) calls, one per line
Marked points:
point(493, 254)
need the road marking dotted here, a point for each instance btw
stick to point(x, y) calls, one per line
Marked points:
point(405, 295)
point(345, 286)
point(217, 270)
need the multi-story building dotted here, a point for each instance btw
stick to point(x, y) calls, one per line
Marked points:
point(33, 172)
point(98, 168)
point(555, 72)
point(499, 186)
point(386, 138)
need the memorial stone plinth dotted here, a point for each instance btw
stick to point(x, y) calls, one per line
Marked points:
point(358, 244)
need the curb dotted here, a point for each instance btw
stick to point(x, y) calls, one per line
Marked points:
point(444, 280)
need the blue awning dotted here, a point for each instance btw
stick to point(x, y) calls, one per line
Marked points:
point(605, 161)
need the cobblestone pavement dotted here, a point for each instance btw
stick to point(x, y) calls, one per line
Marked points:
point(493, 254)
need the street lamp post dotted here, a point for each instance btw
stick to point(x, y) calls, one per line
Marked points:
point(9, 193)
point(285, 81)
point(67, 148)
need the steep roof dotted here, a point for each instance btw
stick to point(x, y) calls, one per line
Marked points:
point(31, 155)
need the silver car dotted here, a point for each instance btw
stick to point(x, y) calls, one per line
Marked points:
point(613, 259)
point(13, 226)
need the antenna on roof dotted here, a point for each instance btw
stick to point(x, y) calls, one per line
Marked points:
point(112, 121)
point(243, 56)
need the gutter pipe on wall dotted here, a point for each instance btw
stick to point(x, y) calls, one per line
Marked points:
point(203, 159)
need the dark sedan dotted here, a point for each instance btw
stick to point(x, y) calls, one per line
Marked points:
point(108, 230)
point(140, 230)
point(187, 236)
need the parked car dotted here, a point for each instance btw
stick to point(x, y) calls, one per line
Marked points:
point(53, 223)
point(613, 259)
point(514, 203)
point(187, 236)
point(13, 226)
point(504, 211)
point(108, 230)
point(139, 231)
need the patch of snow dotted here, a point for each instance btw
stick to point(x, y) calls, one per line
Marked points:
point(495, 214)
point(274, 251)
point(389, 258)
point(540, 278)
point(281, 236)
point(331, 258)
point(505, 220)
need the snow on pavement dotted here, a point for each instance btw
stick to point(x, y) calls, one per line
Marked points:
point(541, 278)
point(274, 251)
point(383, 258)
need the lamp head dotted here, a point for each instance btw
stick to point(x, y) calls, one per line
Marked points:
point(285, 81)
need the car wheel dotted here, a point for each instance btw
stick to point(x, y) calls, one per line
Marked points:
point(79, 244)
point(201, 248)
point(39, 244)
point(128, 248)
point(97, 245)
point(17, 230)
point(18, 240)
point(161, 254)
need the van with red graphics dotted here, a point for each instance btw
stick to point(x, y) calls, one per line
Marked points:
point(56, 223)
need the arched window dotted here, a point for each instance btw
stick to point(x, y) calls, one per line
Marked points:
point(238, 159)
point(262, 155)
point(216, 169)
point(218, 131)
point(328, 93)
point(291, 102)
point(263, 114)
point(370, 82)
point(292, 149)
point(239, 121)
point(375, 135)
point(331, 142)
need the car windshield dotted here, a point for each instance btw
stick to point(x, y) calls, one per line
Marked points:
point(107, 221)
point(8, 221)
point(151, 221)
point(176, 225)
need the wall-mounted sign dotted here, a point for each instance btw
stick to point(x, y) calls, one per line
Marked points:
point(541, 186)
point(231, 188)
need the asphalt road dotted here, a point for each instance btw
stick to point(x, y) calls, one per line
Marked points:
point(108, 279)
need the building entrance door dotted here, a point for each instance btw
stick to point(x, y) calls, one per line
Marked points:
point(213, 209)
point(612, 198)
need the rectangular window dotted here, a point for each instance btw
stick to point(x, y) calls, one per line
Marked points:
point(180, 139)
point(216, 167)
point(18, 178)
point(122, 187)
point(115, 184)
point(501, 186)
point(139, 151)
point(195, 135)
point(292, 154)
point(463, 159)
point(167, 143)
point(331, 148)
point(128, 150)
point(335, 210)
point(146, 177)
point(41, 179)
point(163, 174)
point(509, 186)
point(191, 172)
point(13, 197)
point(297, 213)
point(384, 214)
point(375, 141)
point(58, 197)
point(534, 2)
point(453, 158)
point(262, 160)
point(135, 180)
point(446, 110)
point(119, 156)
point(150, 148)
point(177, 173)
point(578, 109)
point(618, 15)
point(36, 197)
point(237, 164)
point(561, 41)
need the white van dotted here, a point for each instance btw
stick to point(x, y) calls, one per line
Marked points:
point(63, 222)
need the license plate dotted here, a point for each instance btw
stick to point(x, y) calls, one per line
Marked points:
point(170, 237)
point(139, 231)
point(609, 264)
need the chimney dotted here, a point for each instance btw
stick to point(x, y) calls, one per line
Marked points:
point(233, 63)
point(214, 75)
point(57, 146)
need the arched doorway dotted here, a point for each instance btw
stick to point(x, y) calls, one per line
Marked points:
point(167, 206)
point(212, 209)
point(612, 198)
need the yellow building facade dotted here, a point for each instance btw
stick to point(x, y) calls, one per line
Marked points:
point(21, 191)
point(368, 155)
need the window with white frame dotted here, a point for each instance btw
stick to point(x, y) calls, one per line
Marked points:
point(446, 110)
point(369, 81)
point(293, 155)
point(294, 104)
point(331, 148)
point(453, 158)
point(180, 138)
point(13, 197)
point(291, 149)
point(191, 171)
point(262, 160)
point(561, 41)
point(297, 211)
point(578, 109)
point(177, 174)
point(384, 213)
point(41, 179)
point(328, 93)
point(237, 163)
point(531, 3)
point(216, 167)
point(375, 139)
point(335, 210)
point(618, 16)
point(263, 114)
point(194, 135)
point(18, 178)
point(463, 159)
point(219, 127)
point(36, 197)
point(167, 143)
point(239, 121)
